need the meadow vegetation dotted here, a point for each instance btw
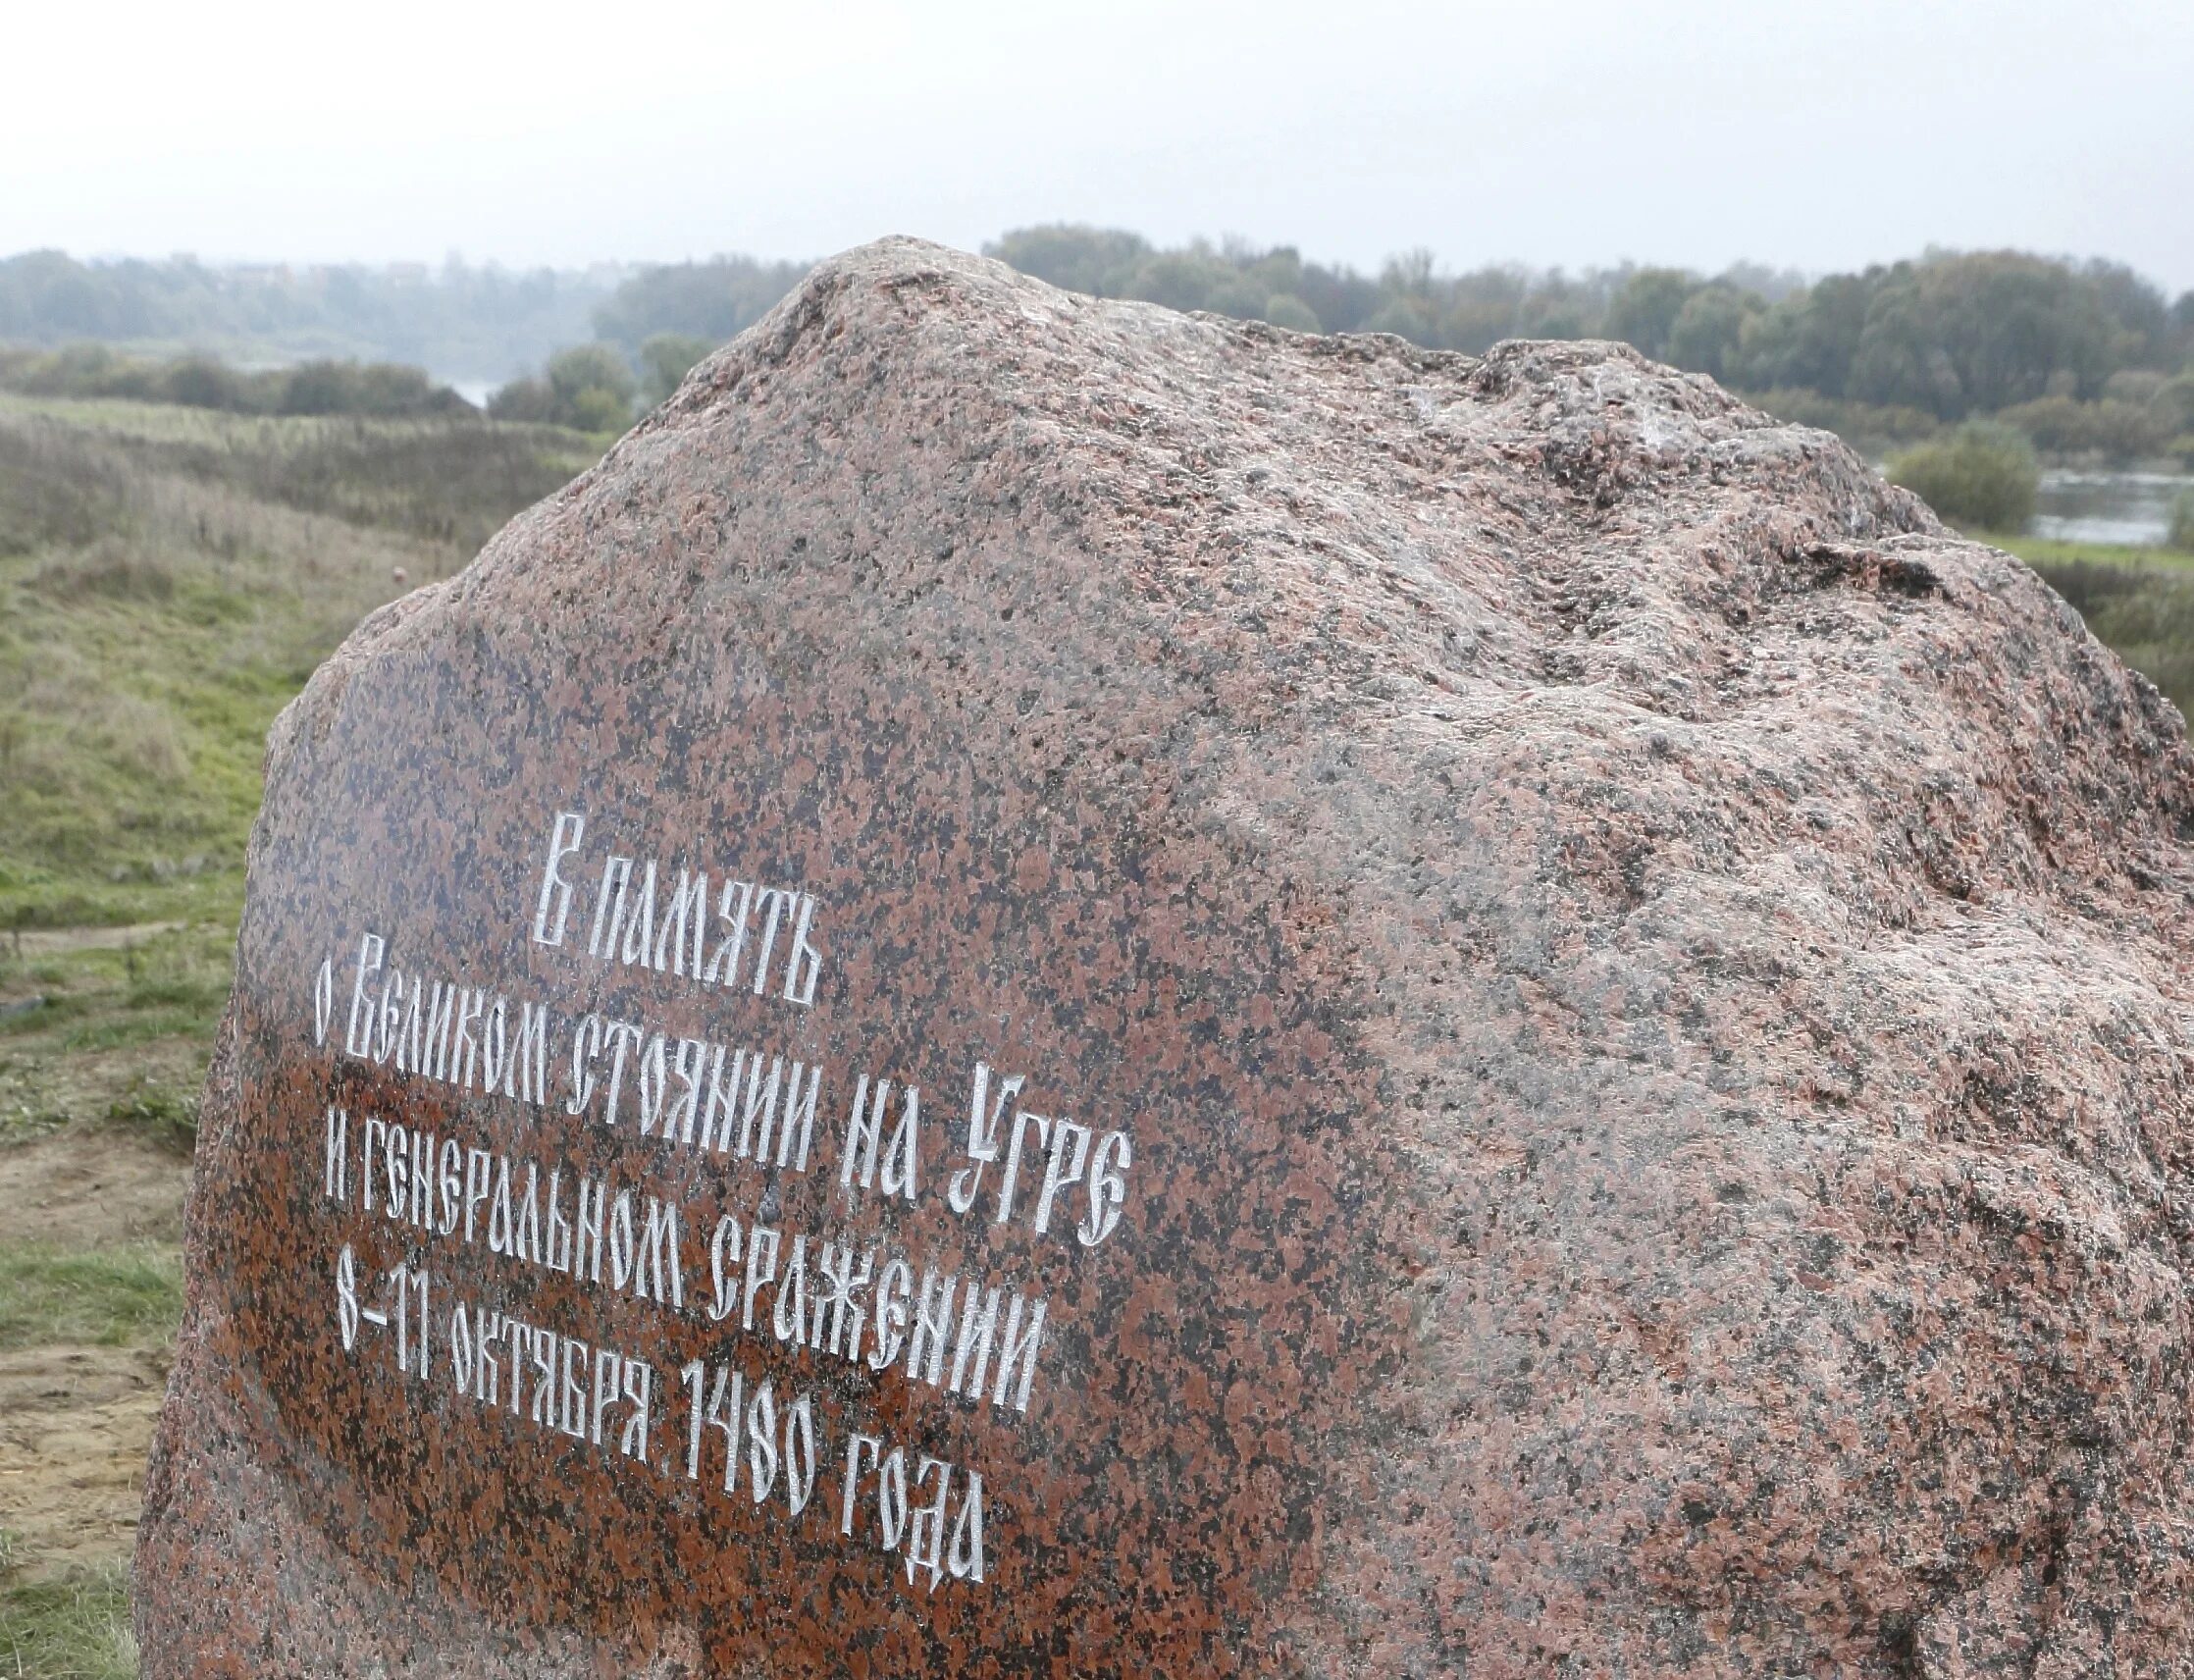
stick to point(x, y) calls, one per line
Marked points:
point(77, 1628)
point(380, 390)
point(169, 578)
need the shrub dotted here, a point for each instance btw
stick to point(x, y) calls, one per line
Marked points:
point(1872, 431)
point(527, 400)
point(588, 386)
point(199, 382)
point(380, 388)
point(666, 358)
point(2182, 522)
point(583, 368)
point(2117, 429)
point(1285, 309)
point(597, 409)
point(1982, 474)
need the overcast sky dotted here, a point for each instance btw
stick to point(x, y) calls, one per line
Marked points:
point(1818, 135)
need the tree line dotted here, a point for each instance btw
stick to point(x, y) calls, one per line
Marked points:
point(464, 322)
point(2081, 358)
point(2081, 355)
point(380, 390)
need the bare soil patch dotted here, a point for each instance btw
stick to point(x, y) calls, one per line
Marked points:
point(76, 1424)
point(92, 1187)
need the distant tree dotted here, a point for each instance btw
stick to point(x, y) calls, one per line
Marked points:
point(1978, 331)
point(1769, 285)
point(1341, 298)
point(591, 387)
point(1809, 339)
point(1195, 278)
point(1285, 309)
point(1708, 332)
point(665, 358)
point(200, 381)
point(528, 400)
point(596, 408)
point(1408, 316)
point(1100, 261)
point(319, 387)
point(1409, 275)
point(2173, 401)
point(384, 387)
point(1643, 313)
point(716, 300)
point(1554, 306)
point(2140, 319)
point(1983, 476)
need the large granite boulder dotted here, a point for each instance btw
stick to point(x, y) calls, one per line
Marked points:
point(1047, 988)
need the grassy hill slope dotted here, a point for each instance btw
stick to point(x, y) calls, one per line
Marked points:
point(169, 578)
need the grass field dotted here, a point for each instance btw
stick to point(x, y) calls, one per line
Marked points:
point(169, 578)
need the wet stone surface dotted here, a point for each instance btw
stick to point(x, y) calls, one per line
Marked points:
point(1045, 989)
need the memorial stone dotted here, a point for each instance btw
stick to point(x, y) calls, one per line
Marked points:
point(1048, 988)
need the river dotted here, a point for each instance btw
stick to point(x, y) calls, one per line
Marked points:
point(2079, 506)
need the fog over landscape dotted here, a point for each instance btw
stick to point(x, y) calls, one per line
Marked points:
point(1694, 135)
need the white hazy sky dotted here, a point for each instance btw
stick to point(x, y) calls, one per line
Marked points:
point(1816, 135)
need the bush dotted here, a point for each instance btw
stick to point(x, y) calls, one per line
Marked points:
point(597, 409)
point(1983, 475)
point(2117, 429)
point(2182, 522)
point(588, 386)
point(525, 399)
point(1285, 309)
point(583, 368)
point(1872, 431)
point(665, 358)
point(382, 389)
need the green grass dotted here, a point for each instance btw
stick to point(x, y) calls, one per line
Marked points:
point(50, 1296)
point(168, 579)
point(2041, 552)
point(77, 1629)
point(114, 1033)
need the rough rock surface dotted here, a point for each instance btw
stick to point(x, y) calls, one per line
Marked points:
point(1647, 981)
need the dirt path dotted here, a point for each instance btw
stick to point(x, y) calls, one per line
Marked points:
point(53, 941)
point(92, 1187)
point(76, 1421)
point(74, 1426)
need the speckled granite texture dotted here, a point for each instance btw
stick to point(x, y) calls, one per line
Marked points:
point(1646, 982)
